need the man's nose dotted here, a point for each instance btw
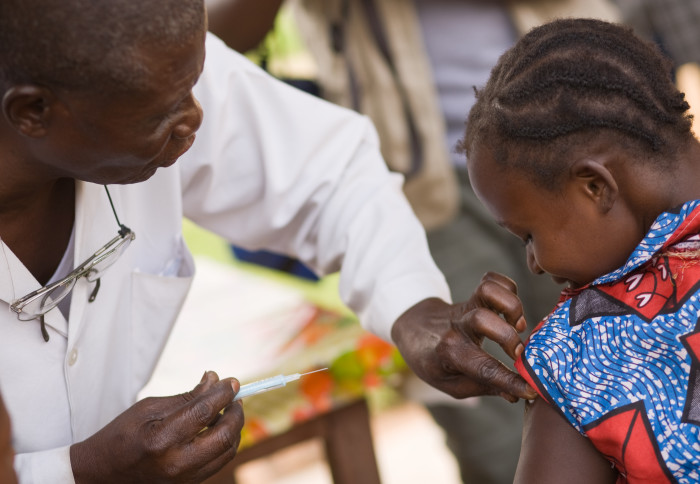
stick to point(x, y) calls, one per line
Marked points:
point(531, 261)
point(190, 120)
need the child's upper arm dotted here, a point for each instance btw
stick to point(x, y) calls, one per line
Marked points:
point(554, 452)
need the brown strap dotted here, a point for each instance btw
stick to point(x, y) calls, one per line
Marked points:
point(339, 41)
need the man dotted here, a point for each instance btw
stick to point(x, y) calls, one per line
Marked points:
point(673, 25)
point(103, 93)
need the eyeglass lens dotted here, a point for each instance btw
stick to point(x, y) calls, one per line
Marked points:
point(46, 302)
point(98, 265)
point(92, 271)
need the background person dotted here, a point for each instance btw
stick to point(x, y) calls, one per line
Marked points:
point(673, 25)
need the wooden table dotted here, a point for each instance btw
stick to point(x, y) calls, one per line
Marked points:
point(347, 439)
point(251, 328)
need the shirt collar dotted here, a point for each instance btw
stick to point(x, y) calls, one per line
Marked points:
point(668, 229)
point(94, 226)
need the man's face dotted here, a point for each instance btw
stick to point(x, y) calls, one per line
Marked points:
point(125, 137)
point(565, 233)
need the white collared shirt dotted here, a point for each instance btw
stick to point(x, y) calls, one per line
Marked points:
point(273, 168)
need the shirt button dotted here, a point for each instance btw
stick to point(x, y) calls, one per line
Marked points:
point(72, 357)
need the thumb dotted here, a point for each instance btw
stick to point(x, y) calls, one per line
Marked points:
point(208, 380)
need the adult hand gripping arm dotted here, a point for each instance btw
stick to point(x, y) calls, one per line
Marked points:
point(442, 342)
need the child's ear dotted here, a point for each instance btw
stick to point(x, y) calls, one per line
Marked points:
point(595, 182)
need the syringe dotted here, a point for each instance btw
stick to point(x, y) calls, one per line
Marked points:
point(268, 384)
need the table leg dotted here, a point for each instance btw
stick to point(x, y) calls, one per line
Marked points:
point(349, 447)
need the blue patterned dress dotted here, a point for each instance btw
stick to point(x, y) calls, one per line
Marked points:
point(620, 357)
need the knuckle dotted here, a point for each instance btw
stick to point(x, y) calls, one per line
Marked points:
point(237, 408)
point(187, 396)
point(488, 276)
point(490, 288)
point(512, 305)
point(476, 319)
point(172, 470)
point(158, 444)
point(229, 438)
point(448, 359)
point(149, 407)
point(476, 315)
point(444, 348)
point(484, 287)
point(488, 370)
point(202, 412)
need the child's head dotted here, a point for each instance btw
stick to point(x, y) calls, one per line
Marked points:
point(569, 140)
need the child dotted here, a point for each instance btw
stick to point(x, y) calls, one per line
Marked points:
point(581, 146)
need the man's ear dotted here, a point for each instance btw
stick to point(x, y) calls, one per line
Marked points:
point(596, 182)
point(27, 108)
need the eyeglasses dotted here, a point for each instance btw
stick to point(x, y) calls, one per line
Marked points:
point(37, 303)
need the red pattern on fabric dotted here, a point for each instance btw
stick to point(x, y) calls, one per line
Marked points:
point(627, 441)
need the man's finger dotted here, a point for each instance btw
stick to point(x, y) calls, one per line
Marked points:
point(482, 322)
point(189, 419)
point(495, 378)
point(209, 378)
point(494, 294)
point(505, 281)
point(218, 444)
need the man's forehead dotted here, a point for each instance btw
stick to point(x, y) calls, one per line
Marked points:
point(82, 43)
point(155, 69)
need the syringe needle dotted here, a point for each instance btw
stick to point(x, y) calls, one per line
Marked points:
point(313, 371)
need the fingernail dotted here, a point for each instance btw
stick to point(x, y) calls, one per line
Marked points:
point(521, 325)
point(518, 350)
point(235, 384)
point(204, 377)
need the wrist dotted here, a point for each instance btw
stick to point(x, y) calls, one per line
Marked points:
point(83, 463)
point(416, 315)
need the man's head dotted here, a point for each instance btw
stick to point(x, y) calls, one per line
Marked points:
point(98, 90)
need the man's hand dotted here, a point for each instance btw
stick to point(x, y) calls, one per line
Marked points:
point(7, 453)
point(182, 439)
point(441, 343)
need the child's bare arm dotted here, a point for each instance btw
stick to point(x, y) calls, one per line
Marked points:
point(554, 452)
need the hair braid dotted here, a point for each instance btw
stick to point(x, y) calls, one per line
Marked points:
point(570, 79)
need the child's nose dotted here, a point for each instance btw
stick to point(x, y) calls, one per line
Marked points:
point(531, 261)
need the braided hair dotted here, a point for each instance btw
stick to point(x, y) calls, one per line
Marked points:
point(572, 80)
